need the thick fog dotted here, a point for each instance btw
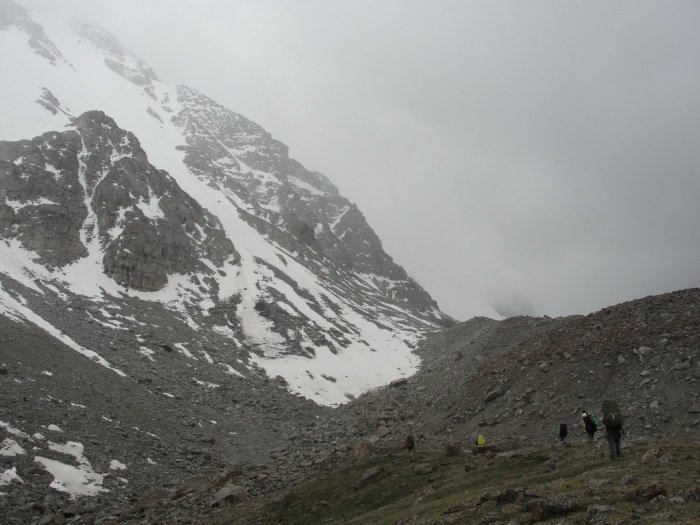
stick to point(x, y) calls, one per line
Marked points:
point(536, 158)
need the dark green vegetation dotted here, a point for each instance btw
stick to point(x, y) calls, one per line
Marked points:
point(653, 482)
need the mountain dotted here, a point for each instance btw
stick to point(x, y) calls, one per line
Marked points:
point(173, 286)
point(185, 309)
point(176, 270)
point(121, 196)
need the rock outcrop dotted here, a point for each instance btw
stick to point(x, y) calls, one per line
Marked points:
point(66, 190)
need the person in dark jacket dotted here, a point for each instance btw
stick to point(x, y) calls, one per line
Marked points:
point(591, 427)
point(612, 419)
point(409, 444)
point(562, 429)
point(613, 435)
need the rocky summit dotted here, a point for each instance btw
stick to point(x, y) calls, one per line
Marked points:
point(190, 319)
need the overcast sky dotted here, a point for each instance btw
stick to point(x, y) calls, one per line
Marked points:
point(536, 157)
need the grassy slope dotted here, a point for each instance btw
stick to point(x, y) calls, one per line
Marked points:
point(580, 473)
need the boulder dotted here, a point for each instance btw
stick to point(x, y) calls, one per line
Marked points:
point(371, 476)
point(229, 495)
point(360, 451)
point(545, 509)
point(646, 494)
point(493, 395)
point(453, 449)
point(151, 500)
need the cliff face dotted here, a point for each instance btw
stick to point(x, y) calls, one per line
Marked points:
point(95, 187)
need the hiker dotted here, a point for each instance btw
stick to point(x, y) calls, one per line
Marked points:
point(590, 423)
point(562, 429)
point(409, 444)
point(612, 419)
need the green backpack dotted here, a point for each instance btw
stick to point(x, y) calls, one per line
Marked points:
point(612, 418)
point(593, 418)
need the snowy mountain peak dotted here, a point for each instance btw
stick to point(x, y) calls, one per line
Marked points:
point(156, 212)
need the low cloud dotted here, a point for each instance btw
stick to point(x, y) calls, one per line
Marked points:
point(512, 306)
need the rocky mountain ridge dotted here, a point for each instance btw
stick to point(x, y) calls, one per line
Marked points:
point(515, 379)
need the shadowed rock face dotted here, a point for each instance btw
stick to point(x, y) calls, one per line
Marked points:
point(44, 205)
point(94, 184)
point(66, 190)
point(297, 209)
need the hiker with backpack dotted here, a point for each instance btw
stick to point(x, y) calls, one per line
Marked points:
point(590, 422)
point(409, 444)
point(612, 419)
point(562, 429)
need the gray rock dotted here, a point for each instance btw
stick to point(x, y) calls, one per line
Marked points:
point(371, 475)
point(493, 395)
point(229, 495)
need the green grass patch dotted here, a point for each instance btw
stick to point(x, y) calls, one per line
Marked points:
point(436, 489)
